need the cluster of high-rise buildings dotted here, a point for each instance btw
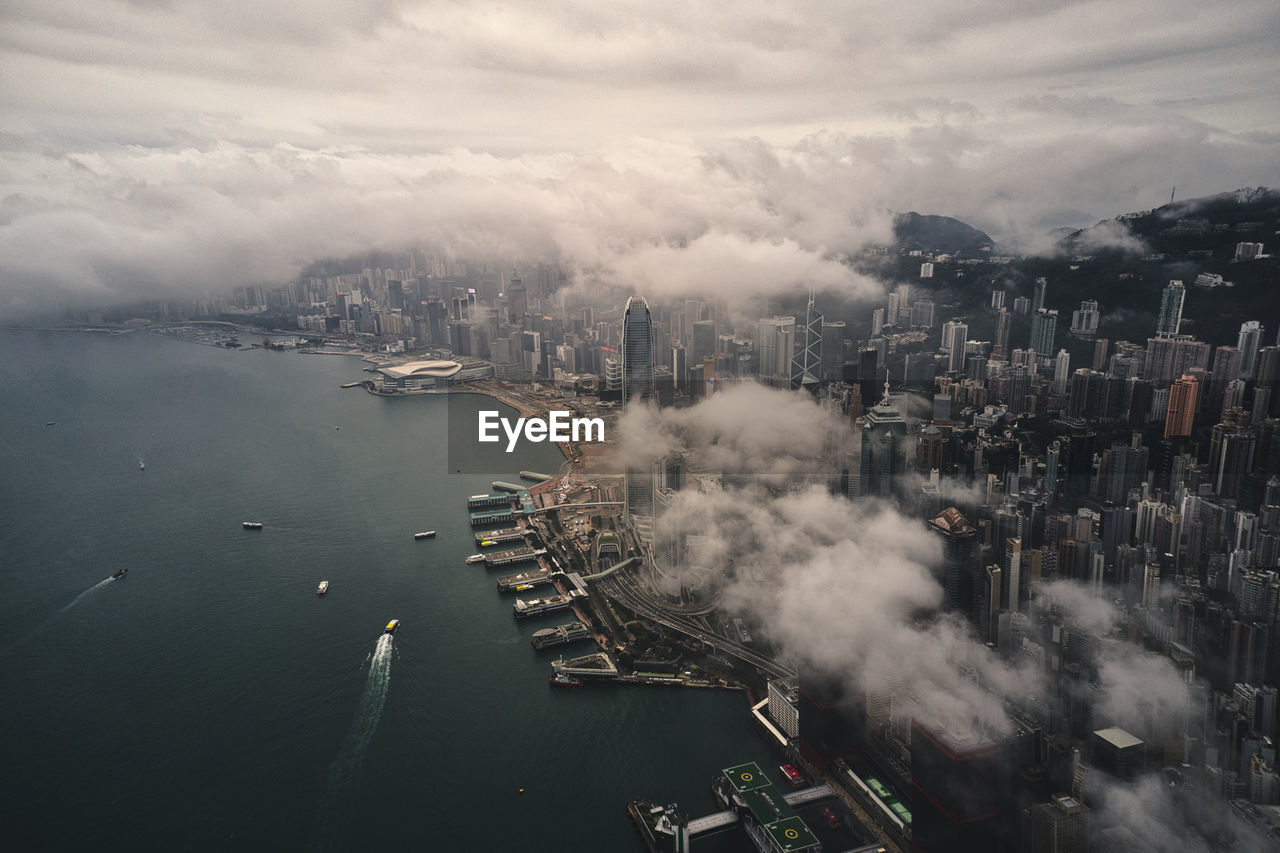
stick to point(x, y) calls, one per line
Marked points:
point(1151, 475)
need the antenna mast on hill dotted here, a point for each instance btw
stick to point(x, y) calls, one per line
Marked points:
point(1171, 192)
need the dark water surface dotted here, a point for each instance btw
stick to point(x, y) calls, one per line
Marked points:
point(210, 700)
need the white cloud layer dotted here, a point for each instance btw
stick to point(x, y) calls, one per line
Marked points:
point(150, 147)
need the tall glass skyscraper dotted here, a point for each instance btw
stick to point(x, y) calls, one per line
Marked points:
point(637, 384)
point(637, 351)
point(1171, 309)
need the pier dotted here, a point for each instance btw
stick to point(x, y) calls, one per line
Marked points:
point(515, 555)
point(535, 476)
point(533, 606)
point(493, 516)
point(524, 580)
point(476, 502)
point(496, 537)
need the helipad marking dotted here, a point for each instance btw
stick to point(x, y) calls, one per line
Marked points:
point(747, 777)
point(791, 833)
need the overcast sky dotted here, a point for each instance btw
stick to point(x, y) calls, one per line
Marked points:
point(150, 146)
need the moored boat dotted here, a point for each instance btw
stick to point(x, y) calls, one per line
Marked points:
point(476, 558)
point(562, 680)
point(323, 588)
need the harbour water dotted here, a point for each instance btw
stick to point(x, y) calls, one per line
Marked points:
point(210, 700)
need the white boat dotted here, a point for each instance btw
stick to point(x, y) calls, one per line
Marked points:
point(426, 534)
point(252, 525)
point(476, 558)
point(323, 588)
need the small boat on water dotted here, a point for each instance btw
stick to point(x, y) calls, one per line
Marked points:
point(323, 588)
point(119, 574)
point(426, 534)
point(476, 558)
point(391, 626)
point(562, 680)
point(252, 525)
point(142, 466)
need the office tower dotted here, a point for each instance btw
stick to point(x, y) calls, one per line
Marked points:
point(1248, 343)
point(518, 302)
point(1117, 752)
point(1171, 309)
point(638, 384)
point(806, 359)
point(680, 366)
point(637, 351)
point(954, 336)
point(882, 454)
point(877, 322)
point(1182, 408)
point(959, 559)
point(775, 346)
point(1100, 347)
point(1003, 321)
point(1061, 372)
point(1037, 298)
point(704, 341)
point(1052, 466)
point(891, 316)
point(1044, 324)
point(959, 772)
point(1058, 826)
point(832, 350)
point(922, 314)
point(997, 300)
point(1021, 305)
point(1084, 322)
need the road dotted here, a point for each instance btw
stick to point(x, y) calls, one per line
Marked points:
point(622, 588)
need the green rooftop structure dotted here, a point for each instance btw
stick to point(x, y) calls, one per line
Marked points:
point(782, 827)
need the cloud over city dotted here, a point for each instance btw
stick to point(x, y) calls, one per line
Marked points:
point(157, 149)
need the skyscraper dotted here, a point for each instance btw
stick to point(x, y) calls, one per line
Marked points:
point(775, 345)
point(954, 336)
point(1182, 408)
point(1044, 324)
point(1037, 298)
point(1001, 348)
point(1248, 343)
point(637, 351)
point(1171, 308)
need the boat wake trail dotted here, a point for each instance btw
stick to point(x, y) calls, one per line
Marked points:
point(346, 766)
point(82, 595)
